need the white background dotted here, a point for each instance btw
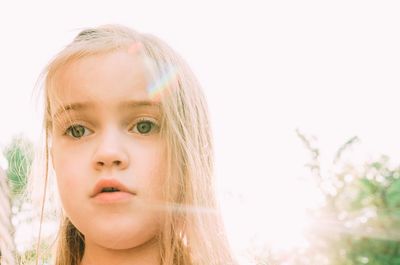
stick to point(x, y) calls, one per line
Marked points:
point(328, 68)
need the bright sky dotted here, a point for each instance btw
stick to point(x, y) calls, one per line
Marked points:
point(329, 68)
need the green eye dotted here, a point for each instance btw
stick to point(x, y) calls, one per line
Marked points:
point(76, 131)
point(145, 127)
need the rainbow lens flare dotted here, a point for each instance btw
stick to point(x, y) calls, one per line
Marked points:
point(156, 88)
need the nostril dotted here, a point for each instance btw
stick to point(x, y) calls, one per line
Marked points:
point(117, 163)
point(102, 163)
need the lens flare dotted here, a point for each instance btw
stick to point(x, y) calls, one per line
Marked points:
point(135, 48)
point(156, 88)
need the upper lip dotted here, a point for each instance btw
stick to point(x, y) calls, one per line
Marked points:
point(109, 183)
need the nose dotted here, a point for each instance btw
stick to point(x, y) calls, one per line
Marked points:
point(110, 152)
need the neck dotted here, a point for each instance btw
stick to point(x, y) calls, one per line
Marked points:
point(145, 254)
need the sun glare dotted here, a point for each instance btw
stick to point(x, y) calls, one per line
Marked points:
point(273, 218)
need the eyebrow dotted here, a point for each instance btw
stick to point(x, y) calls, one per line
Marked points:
point(82, 106)
point(138, 103)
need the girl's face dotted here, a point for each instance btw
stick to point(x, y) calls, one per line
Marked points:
point(107, 151)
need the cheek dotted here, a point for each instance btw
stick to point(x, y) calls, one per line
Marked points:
point(150, 165)
point(69, 173)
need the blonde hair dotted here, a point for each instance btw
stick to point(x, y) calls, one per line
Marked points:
point(193, 232)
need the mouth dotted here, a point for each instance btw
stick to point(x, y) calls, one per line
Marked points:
point(111, 190)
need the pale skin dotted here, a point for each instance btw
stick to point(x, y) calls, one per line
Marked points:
point(109, 130)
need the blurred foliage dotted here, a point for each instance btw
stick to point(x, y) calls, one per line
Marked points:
point(359, 221)
point(29, 256)
point(19, 154)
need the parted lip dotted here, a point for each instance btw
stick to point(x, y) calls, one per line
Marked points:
point(109, 183)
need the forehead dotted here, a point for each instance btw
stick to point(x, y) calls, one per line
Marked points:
point(104, 79)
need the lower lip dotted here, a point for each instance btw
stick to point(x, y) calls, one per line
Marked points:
point(112, 197)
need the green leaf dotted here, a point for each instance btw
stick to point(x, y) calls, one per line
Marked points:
point(392, 195)
point(19, 154)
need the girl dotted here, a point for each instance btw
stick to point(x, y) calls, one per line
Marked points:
point(128, 135)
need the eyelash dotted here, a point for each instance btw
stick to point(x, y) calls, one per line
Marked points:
point(154, 128)
point(68, 131)
point(154, 125)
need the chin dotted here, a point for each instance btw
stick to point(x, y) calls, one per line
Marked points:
point(121, 236)
point(121, 242)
